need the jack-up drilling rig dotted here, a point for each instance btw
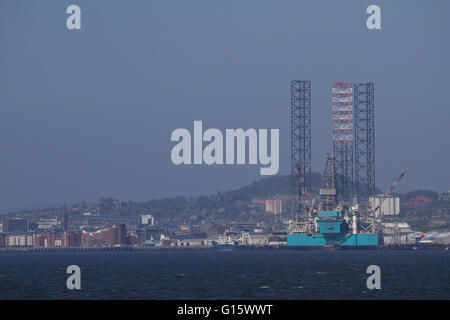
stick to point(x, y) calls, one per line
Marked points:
point(333, 225)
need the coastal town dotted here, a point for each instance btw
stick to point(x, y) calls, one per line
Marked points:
point(250, 216)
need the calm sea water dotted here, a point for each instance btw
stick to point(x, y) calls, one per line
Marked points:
point(226, 275)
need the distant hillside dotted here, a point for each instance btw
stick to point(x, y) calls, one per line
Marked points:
point(423, 209)
point(222, 205)
point(419, 193)
point(267, 187)
point(228, 203)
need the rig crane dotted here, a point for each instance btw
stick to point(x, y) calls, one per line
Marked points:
point(385, 196)
point(390, 190)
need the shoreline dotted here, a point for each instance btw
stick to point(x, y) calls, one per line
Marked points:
point(406, 247)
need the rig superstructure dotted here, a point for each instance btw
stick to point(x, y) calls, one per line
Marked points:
point(343, 216)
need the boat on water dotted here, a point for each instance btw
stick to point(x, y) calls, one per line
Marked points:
point(225, 244)
point(225, 247)
point(332, 247)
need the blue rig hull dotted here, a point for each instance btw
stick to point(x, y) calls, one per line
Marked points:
point(320, 240)
point(333, 233)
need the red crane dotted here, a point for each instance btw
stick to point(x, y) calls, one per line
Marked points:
point(391, 188)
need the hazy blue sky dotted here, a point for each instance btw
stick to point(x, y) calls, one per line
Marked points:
point(89, 113)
